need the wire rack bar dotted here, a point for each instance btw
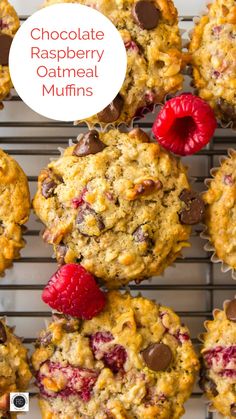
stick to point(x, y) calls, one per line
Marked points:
point(151, 287)
point(44, 259)
point(55, 152)
point(207, 314)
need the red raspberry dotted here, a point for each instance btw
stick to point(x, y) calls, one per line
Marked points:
point(185, 124)
point(77, 202)
point(79, 381)
point(72, 290)
point(115, 357)
point(96, 342)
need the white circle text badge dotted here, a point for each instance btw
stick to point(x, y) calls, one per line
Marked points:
point(67, 62)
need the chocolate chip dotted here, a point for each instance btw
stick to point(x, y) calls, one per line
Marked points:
point(71, 324)
point(5, 45)
point(231, 311)
point(112, 112)
point(61, 253)
point(142, 236)
point(146, 15)
point(85, 212)
point(233, 410)
point(3, 333)
point(157, 356)
point(89, 144)
point(48, 188)
point(194, 211)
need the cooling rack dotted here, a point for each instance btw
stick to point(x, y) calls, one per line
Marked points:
point(193, 287)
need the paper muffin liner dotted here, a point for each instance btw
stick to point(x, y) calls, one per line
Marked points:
point(201, 336)
point(122, 126)
point(203, 12)
point(209, 247)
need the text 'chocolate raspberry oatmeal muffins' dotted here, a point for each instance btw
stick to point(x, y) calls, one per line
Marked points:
point(15, 374)
point(213, 51)
point(220, 215)
point(134, 360)
point(151, 36)
point(14, 209)
point(117, 204)
point(9, 23)
point(218, 373)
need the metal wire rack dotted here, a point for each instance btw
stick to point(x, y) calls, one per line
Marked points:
point(193, 276)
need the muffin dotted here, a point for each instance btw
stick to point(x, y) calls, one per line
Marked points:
point(9, 23)
point(134, 359)
point(14, 209)
point(213, 55)
point(218, 373)
point(151, 36)
point(117, 204)
point(15, 374)
point(220, 216)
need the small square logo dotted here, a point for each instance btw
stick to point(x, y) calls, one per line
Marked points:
point(19, 402)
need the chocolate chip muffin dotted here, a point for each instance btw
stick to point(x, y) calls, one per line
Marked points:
point(218, 373)
point(220, 200)
point(9, 23)
point(134, 359)
point(14, 209)
point(151, 36)
point(15, 374)
point(213, 55)
point(117, 204)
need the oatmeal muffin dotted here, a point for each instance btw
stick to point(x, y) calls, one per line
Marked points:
point(134, 360)
point(151, 36)
point(14, 209)
point(213, 55)
point(117, 204)
point(220, 218)
point(9, 23)
point(218, 373)
point(14, 369)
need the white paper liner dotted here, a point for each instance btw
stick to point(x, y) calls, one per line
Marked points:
point(196, 20)
point(209, 247)
point(122, 125)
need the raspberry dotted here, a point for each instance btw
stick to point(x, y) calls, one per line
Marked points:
point(77, 202)
point(3, 25)
point(185, 124)
point(222, 360)
point(96, 343)
point(79, 381)
point(132, 46)
point(72, 290)
point(114, 358)
point(181, 337)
